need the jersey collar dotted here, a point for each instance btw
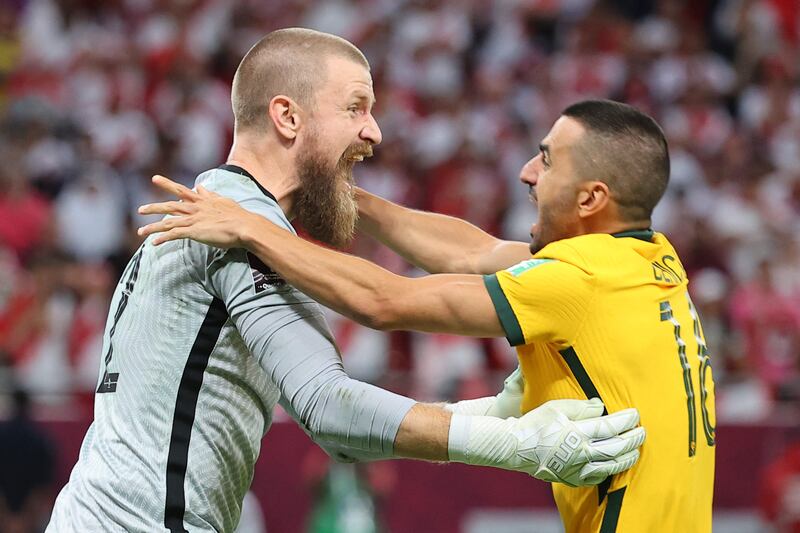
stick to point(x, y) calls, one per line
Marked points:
point(239, 170)
point(641, 234)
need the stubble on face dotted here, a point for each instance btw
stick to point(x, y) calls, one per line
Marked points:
point(557, 187)
point(325, 201)
point(555, 222)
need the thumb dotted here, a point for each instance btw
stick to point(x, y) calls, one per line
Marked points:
point(577, 409)
point(515, 383)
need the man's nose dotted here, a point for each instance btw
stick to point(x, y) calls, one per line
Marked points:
point(371, 132)
point(528, 174)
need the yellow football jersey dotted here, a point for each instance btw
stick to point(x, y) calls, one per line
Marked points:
point(609, 316)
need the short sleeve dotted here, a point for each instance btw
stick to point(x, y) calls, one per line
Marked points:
point(540, 300)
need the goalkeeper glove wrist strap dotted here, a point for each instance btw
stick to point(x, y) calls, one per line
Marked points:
point(481, 440)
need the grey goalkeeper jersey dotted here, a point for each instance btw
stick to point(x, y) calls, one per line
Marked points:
point(200, 345)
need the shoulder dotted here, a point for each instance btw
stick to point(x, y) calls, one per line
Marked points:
point(246, 193)
point(557, 272)
point(578, 252)
point(592, 252)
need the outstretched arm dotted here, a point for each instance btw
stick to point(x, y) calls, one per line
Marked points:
point(363, 291)
point(563, 440)
point(435, 242)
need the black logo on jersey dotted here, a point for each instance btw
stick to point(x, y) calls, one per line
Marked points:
point(263, 276)
point(108, 383)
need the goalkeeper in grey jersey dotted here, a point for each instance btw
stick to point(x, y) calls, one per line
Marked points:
point(201, 342)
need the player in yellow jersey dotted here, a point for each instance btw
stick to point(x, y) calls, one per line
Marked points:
point(609, 316)
point(597, 305)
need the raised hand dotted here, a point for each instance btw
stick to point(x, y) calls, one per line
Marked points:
point(201, 215)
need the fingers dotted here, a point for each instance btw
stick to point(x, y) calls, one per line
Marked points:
point(577, 409)
point(164, 225)
point(176, 189)
point(172, 235)
point(604, 427)
point(595, 472)
point(167, 208)
point(607, 449)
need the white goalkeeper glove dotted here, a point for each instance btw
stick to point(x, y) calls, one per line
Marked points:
point(505, 404)
point(565, 441)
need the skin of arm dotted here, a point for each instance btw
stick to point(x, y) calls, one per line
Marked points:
point(354, 287)
point(423, 434)
point(435, 242)
point(369, 294)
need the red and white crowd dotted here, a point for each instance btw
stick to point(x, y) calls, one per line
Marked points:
point(98, 95)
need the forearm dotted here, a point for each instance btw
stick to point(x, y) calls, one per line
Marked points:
point(431, 241)
point(353, 420)
point(424, 433)
point(369, 294)
point(345, 283)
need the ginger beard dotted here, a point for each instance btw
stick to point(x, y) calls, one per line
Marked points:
point(325, 201)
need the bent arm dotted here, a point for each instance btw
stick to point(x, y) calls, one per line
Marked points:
point(435, 242)
point(363, 291)
point(356, 421)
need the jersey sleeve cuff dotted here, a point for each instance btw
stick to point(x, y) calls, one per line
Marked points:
point(504, 311)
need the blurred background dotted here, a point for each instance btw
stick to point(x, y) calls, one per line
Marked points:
point(97, 95)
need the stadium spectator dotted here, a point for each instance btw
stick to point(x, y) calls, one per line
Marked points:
point(779, 498)
point(26, 470)
point(464, 90)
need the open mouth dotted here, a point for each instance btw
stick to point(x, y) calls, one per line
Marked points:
point(357, 153)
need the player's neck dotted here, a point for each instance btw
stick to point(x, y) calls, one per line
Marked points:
point(610, 220)
point(614, 226)
point(272, 168)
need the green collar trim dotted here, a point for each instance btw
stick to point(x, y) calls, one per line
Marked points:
point(641, 234)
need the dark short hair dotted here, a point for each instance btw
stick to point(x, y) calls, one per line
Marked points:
point(290, 62)
point(625, 149)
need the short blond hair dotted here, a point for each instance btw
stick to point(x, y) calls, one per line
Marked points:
point(290, 62)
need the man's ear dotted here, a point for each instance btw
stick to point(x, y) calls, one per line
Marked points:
point(593, 197)
point(285, 116)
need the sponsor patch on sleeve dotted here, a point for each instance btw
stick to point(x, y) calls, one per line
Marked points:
point(526, 265)
point(264, 277)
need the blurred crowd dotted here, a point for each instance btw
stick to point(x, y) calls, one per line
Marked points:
point(98, 95)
